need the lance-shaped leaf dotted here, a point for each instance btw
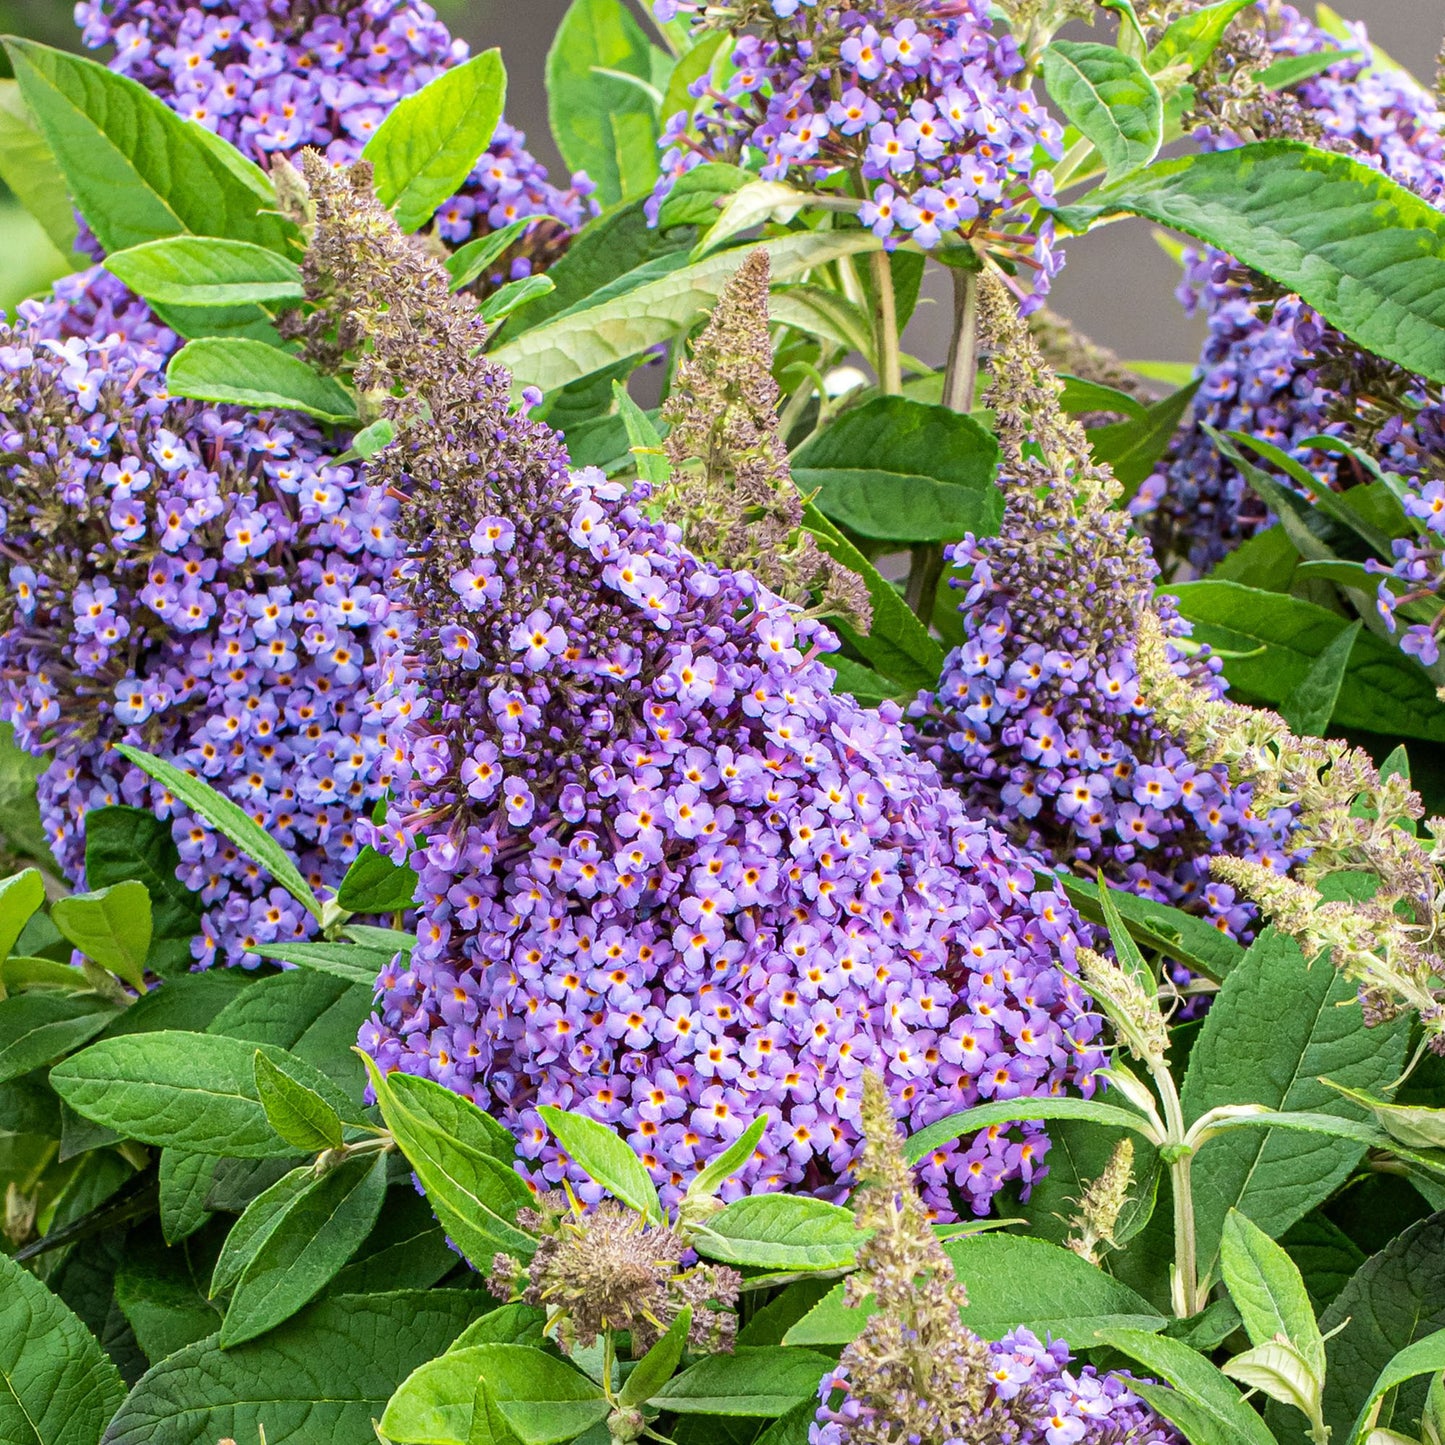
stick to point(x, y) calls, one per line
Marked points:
point(247, 372)
point(426, 147)
point(1110, 98)
point(207, 271)
point(298, 1114)
point(1366, 253)
point(608, 1158)
point(134, 168)
point(225, 816)
point(111, 926)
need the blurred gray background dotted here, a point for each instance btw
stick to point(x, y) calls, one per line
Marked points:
point(1118, 284)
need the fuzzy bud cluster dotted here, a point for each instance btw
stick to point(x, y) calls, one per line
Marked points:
point(1040, 720)
point(607, 1270)
point(917, 1373)
point(731, 490)
point(667, 878)
point(1346, 819)
point(918, 100)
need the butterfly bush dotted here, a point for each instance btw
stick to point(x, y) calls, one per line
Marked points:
point(271, 76)
point(204, 582)
point(666, 876)
point(1271, 366)
point(1039, 719)
point(920, 101)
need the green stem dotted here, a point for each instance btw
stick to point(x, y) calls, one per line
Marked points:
point(886, 346)
point(962, 376)
point(1180, 1156)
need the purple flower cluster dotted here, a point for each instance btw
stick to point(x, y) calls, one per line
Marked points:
point(1413, 590)
point(1262, 357)
point(1055, 741)
point(271, 76)
point(204, 582)
point(1031, 1397)
point(669, 879)
point(917, 99)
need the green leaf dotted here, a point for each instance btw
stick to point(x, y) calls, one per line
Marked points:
point(601, 331)
point(897, 644)
point(489, 1426)
point(20, 896)
point(1110, 98)
point(1012, 1282)
point(315, 1017)
point(407, 1243)
point(1414, 1125)
point(513, 296)
point(780, 1231)
point(251, 373)
point(134, 168)
point(371, 439)
point(426, 147)
point(323, 1376)
point(609, 1159)
point(20, 823)
point(207, 271)
point(40, 1026)
point(160, 1296)
point(1276, 1025)
point(29, 168)
point(180, 1090)
point(542, 1399)
point(699, 195)
point(1132, 448)
point(255, 1225)
point(459, 1159)
point(1006, 1111)
point(1292, 70)
point(185, 1180)
point(351, 962)
point(112, 927)
point(1424, 1357)
point(1395, 1299)
point(618, 243)
point(1325, 1254)
point(129, 843)
point(708, 1181)
point(56, 1386)
point(904, 470)
point(1194, 37)
point(1311, 702)
point(643, 441)
point(374, 884)
point(656, 1367)
point(752, 1381)
point(467, 263)
point(603, 125)
point(226, 817)
point(1080, 397)
point(1367, 254)
point(313, 1238)
point(18, 973)
point(1205, 1406)
point(1270, 641)
point(1268, 1290)
point(298, 1114)
point(1170, 931)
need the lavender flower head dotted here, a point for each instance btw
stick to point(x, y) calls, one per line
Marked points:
point(1039, 719)
point(201, 581)
point(1272, 367)
point(666, 877)
point(917, 1373)
point(919, 100)
point(272, 76)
